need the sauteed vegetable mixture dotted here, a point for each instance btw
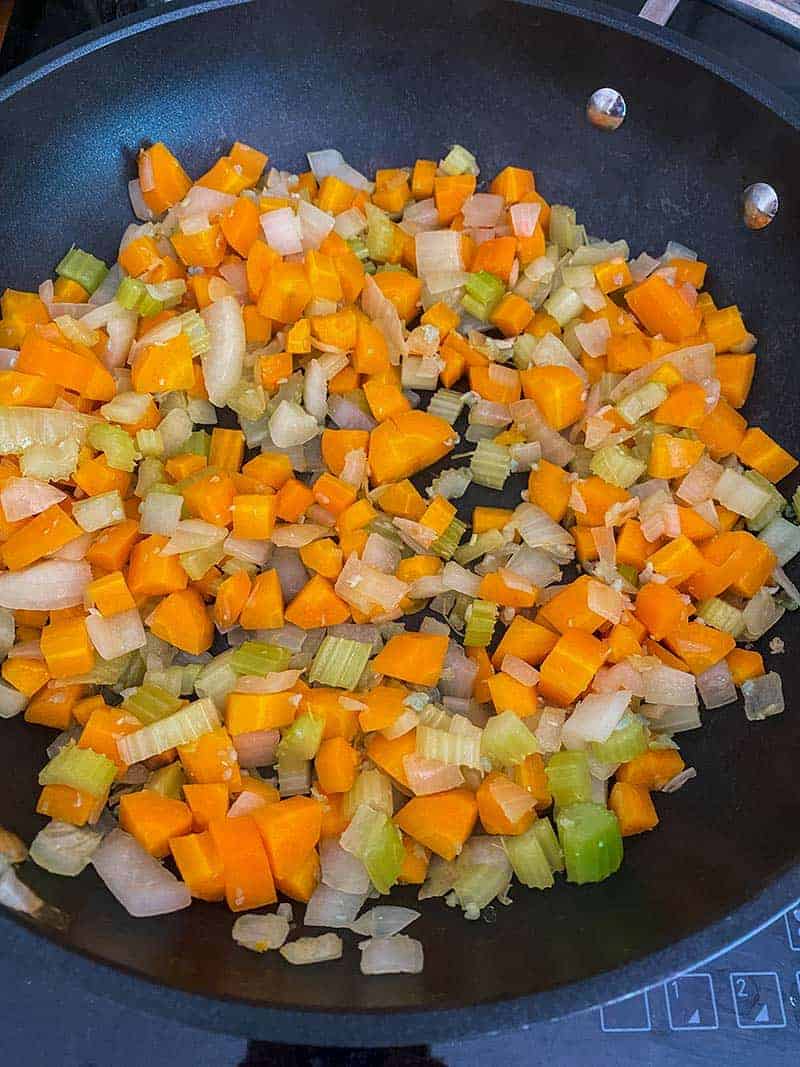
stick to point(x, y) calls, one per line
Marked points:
point(276, 654)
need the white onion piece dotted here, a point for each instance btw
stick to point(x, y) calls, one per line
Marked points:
point(665, 685)
point(535, 565)
point(619, 676)
point(384, 315)
point(367, 588)
point(694, 364)
point(136, 879)
point(282, 231)
point(341, 870)
point(201, 200)
point(47, 586)
point(23, 497)
point(192, 535)
point(61, 848)
point(698, 484)
point(384, 921)
point(138, 205)
point(380, 553)
point(459, 579)
point(392, 955)
point(274, 682)
point(716, 687)
point(426, 776)
point(595, 718)
point(298, 535)
point(786, 584)
point(551, 352)
point(315, 225)
point(235, 274)
point(246, 803)
point(290, 425)
point(350, 223)
point(121, 330)
point(594, 336)
point(438, 252)
point(260, 933)
point(555, 448)
point(257, 748)
point(331, 907)
point(349, 416)
point(312, 949)
point(8, 358)
point(604, 600)
point(315, 391)
point(248, 550)
point(116, 635)
point(524, 218)
point(483, 209)
point(223, 362)
point(519, 670)
point(680, 780)
point(419, 216)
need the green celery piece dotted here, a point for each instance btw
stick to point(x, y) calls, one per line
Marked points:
point(150, 703)
point(217, 678)
point(482, 293)
point(591, 840)
point(129, 292)
point(529, 861)
point(628, 741)
point(446, 404)
point(302, 739)
point(84, 268)
point(198, 443)
point(118, 446)
point(382, 853)
point(199, 561)
point(80, 768)
point(546, 836)
point(773, 507)
point(617, 465)
point(256, 657)
point(481, 617)
point(445, 545)
point(721, 615)
point(371, 787)
point(507, 741)
point(339, 662)
point(490, 464)
point(168, 781)
point(568, 777)
point(459, 160)
point(478, 882)
point(190, 674)
point(358, 248)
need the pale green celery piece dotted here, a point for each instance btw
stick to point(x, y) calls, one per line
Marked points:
point(80, 768)
point(373, 788)
point(773, 507)
point(168, 781)
point(580, 463)
point(460, 750)
point(198, 443)
point(116, 444)
point(256, 657)
point(563, 228)
point(569, 778)
point(190, 674)
point(358, 248)
point(339, 662)
point(97, 512)
point(528, 860)
point(524, 347)
point(129, 674)
point(233, 566)
point(446, 404)
point(248, 400)
point(181, 728)
point(481, 876)
point(302, 739)
point(629, 573)
point(546, 835)
point(641, 402)
point(564, 305)
point(104, 672)
point(490, 464)
point(459, 160)
point(50, 463)
point(445, 545)
point(623, 744)
point(195, 329)
point(380, 234)
point(478, 545)
point(383, 525)
point(721, 615)
point(507, 741)
point(201, 560)
point(380, 848)
point(480, 618)
point(591, 840)
point(63, 849)
point(150, 703)
point(617, 465)
point(217, 679)
point(482, 293)
point(129, 292)
point(150, 473)
point(451, 483)
point(82, 267)
point(168, 678)
point(150, 442)
point(167, 293)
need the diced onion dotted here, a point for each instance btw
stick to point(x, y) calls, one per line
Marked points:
point(256, 748)
point(595, 718)
point(260, 933)
point(137, 880)
point(312, 949)
point(665, 685)
point(392, 955)
point(117, 635)
point(332, 907)
point(426, 776)
point(223, 362)
point(47, 586)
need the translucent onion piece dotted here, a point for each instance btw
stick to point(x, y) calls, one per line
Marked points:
point(392, 955)
point(716, 687)
point(256, 748)
point(595, 718)
point(341, 870)
point(61, 848)
point(665, 685)
point(223, 362)
point(312, 949)
point(331, 907)
point(116, 635)
point(47, 586)
point(426, 776)
point(23, 497)
point(137, 880)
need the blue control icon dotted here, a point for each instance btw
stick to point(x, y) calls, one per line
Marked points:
point(628, 1016)
point(757, 1000)
point(691, 1004)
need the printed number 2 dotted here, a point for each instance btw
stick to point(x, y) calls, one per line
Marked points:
point(741, 990)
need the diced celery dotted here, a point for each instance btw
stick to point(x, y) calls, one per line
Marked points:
point(257, 657)
point(118, 446)
point(190, 673)
point(82, 267)
point(482, 293)
point(80, 768)
point(373, 788)
point(380, 234)
point(149, 473)
point(446, 404)
point(564, 305)
point(248, 400)
point(50, 463)
point(524, 347)
point(478, 545)
point(445, 545)
point(483, 871)
point(529, 861)
point(198, 443)
point(376, 841)
point(546, 835)
point(168, 781)
point(507, 741)
point(294, 775)
point(169, 678)
point(774, 506)
point(97, 512)
point(490, 465)
point(568, 777)
point(181, 728)
point(150, 703)
point(217, 679)
point(721, 615)
point(461, 750)
point(783, 538)
point(197, 562)
point(459, 160)
point(642, 401)
point(358, 248)
point(339, 662)
point(150, 442)
point(623, 744)
point(302, 739)
point(195, 330)
point(133, 295)
point(481, 616)
point(451, 483)
point(592, 843)
point(563, 228)
point(617, 465)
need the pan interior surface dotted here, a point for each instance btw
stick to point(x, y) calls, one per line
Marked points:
point(386, 84)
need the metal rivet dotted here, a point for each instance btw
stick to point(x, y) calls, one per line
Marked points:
point(606, 109)
point(759, 205)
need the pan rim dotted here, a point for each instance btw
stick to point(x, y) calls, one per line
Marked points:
point(392, 1026)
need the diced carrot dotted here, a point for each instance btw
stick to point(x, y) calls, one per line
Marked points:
point(263, 609)
point(508, 694)
point(413, 657)
point(722, 430)
point(154, 819)
point(248, 878)
point(662, 309)
point(207, 801)
point(212, 758)
point(699, 646)
point(633, 807)
point(441, 822)
point(181, 619)
point(569, 668)
point(570, 609)
point(317, 605)
point(248, 712)
point(336, 763)
point(200, 865)
point(388, 754)
point(759, 451)
point(744, 664)
point(660, 609)
point(735, 374)
point(494, 790)
point(103, 729)
point(66, 804)
point(414, 868)
point(525, 639)
point(653, 769)
point(290, 830)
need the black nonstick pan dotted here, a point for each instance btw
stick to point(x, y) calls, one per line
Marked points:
point(385, 83)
